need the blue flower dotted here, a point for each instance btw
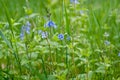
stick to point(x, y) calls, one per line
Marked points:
point(50, 24)
point(26, 27)
point(61, 36)
point(44, 34)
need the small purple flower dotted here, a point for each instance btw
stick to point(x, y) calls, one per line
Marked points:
point(61, 36)
point(44, 34)
point(50, 24)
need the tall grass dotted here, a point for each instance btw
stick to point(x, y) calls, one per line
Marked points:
point(59, 40)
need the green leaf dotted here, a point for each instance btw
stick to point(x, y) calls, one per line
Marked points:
point(100, 69)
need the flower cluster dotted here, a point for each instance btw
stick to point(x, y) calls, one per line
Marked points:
point(25, 29)
point(61, 36)
point(50, 24)
point(43, 34)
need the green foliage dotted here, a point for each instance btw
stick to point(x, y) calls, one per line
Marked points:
point(87, 49)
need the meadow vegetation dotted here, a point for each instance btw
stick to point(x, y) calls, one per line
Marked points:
point(59, 39)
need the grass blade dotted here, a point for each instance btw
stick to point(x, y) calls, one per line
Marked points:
point(5, 39)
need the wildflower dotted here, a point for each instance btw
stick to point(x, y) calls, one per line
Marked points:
point(74, 1)
point(107, 42)
point(106, 34)
point(61, 36)
point(50, 24)
point(26, 28)
point(44, 34)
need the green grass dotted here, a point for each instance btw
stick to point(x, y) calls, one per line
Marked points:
point(91, 53)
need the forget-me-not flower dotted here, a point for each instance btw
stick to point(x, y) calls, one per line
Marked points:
point(50, 24)
point(61, 36)
point(44, 34)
